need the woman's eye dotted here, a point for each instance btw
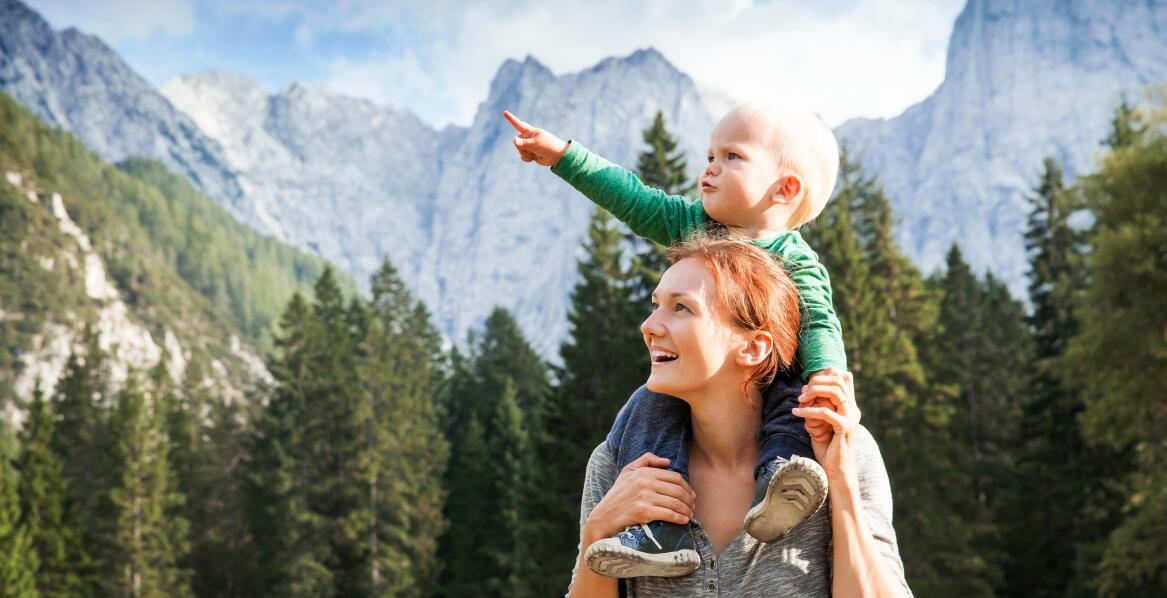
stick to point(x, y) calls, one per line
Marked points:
point(733, 156)
point(709, 158)
point(653, 306)
point(680, 307)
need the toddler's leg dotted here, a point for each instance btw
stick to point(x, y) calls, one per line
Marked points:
point(651, 422)
point(791, 485)
point(782, 434)
point(659, 424)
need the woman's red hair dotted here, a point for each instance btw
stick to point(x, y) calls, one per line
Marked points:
point(755, 293)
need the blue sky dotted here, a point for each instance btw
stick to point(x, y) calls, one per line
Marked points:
point(842, 58)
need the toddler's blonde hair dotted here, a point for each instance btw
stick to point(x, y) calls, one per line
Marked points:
point(803, 143)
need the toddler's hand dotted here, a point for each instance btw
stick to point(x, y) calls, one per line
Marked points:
point(535, 144)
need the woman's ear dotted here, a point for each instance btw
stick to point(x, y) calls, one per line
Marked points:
point(755, 349)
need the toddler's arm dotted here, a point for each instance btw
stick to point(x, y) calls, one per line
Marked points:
point(650, 213)
point(820, 342)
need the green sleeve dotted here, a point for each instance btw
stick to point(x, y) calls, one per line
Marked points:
point(820, 343)
point(649, 213)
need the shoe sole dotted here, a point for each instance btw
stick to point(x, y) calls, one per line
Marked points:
point(797, 491)
point(612, 559)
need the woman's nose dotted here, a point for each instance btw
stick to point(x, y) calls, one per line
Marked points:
point(651, 325)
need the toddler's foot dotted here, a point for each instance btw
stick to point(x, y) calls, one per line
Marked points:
point(788, 493)
point(656, 549)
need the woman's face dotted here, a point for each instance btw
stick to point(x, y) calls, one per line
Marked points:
point(691, 345)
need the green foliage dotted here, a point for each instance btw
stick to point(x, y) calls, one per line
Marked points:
point(502, 383)
point(403, 378)
point(18, 559)
point(888, 314)
point(604, 361)
point(149, 535)
point(1118, 356)
point(663, 167)
point(55, 539)
point(180, 260)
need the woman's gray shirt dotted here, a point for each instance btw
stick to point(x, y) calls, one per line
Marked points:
point(799, 565)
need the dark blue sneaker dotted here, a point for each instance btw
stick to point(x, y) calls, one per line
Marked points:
point(788, 493)
point(656, 549)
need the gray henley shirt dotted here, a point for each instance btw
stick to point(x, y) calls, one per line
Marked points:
point(799, 565)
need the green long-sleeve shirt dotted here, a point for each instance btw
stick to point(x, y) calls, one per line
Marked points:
point(667, 219)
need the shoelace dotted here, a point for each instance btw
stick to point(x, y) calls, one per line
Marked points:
point(647, 532)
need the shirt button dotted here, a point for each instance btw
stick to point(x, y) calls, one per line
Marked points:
point(712, 563)
point(712, 587)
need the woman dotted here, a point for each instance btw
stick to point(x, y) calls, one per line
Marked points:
point(716, 364)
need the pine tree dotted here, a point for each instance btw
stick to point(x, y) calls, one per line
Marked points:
point(403, 379)
point(206, 439)
point(502, 367)
point(291, 547)
point(18, 557)
point(55, 539)
point(604, 362)
point(505, 444)
point(981, 341)
point(661, 166)
point(887, 314)
point(80, 444)
point(1056, 468)
point(312, 463)
point(149, 538)
point(1117, 357)
point(464, 554)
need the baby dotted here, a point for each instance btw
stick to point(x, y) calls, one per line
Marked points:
point(771, 169)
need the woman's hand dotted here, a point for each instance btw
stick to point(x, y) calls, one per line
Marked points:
point(643, 492)
point(828, 404)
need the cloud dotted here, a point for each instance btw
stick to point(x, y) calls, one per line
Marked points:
point(121, 20)
point(841, 58)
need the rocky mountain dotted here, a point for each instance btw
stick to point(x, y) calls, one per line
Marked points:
point(470, 226)
point(1024, 80)
point(74, 81)
point(159, 272)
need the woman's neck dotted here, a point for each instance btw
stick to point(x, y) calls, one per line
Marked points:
point(725, 424)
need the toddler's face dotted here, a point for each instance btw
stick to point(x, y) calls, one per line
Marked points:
point(742, 173)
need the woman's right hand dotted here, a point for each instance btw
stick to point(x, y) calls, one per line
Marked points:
point(643, 492)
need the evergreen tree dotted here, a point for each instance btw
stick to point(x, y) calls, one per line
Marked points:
point(206, 448)
point(604, 362)
point(502, 368)
point(312, 463)
point(466, 558)
point(1057, 471)
point(79, 442)
point(981, 341)
point(18, 558)
point(43, 493)
point(403, 379)
point(1117, 357)
point(662, 166)
point(291, 547)
point(149, 538)
point(887, 315)
point(505, 445)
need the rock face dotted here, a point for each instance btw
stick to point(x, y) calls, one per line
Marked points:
point(1024, 80)
point(350, 180)
point(74, 81)
point(470, 226)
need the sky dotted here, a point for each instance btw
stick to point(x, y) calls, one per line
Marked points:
point(436, 58)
